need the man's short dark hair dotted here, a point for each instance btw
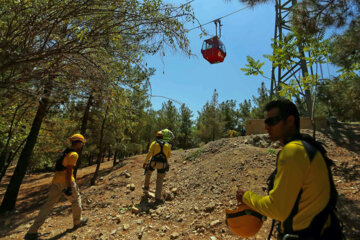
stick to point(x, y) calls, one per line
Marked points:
point(286, 109)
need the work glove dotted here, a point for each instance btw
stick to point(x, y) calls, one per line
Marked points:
point(68, 191)
point(239, 195)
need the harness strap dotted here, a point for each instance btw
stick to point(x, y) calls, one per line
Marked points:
point(289, 220)
point(156, 160)
point(161, 145)
point(160, 153)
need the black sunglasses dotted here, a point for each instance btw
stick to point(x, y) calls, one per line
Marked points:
point(271, 121)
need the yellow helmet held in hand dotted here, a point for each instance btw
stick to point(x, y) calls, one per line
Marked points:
point(243, 221)
point(77, 137)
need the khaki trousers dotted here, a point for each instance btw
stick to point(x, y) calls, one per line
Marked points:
point(55, 192)
point(159, 182)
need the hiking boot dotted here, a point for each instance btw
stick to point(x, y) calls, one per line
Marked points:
point(31, 236)
point(159, 201)
point(83, 222)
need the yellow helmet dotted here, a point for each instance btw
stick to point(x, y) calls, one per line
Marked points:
point(243, 221)
point(159, 134)
point(77, 137)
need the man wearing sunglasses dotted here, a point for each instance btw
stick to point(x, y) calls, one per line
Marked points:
point(301, 195)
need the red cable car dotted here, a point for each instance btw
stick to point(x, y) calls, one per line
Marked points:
point(213, 50)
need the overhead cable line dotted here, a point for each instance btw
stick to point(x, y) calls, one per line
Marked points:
point(186, 3)
point(173, 100)
point(201, 25)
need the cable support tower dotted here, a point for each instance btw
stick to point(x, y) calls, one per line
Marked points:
point(283, 11)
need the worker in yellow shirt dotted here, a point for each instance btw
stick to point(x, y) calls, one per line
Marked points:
point(63, 183)
point(157, 158)
point(302, 195)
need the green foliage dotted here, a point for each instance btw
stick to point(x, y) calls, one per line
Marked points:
point(257, 112)
point(345, 49)
point(185, 134)
point(209, 123)
point(96, 49)
point(125, 209)
point(271, 151)
point(340, 97)
point(253, 67)
point(229, 115)
point(309, 20)
point(244, 111)
point(287, 52)
point(195, 154)
point(76, 50)
point(294, 87)
point(311, 16)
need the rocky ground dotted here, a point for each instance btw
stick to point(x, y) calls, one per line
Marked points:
point(200, 184)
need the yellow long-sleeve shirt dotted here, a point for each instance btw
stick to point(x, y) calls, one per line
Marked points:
point(155, 149)
point(294, 172)
point(69, 160)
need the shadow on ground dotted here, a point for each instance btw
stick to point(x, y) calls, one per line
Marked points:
point(12, 220)
point(146, 204)
point(345, 135)
point(349, 212)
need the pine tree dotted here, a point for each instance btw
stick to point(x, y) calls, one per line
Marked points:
point(184, 134)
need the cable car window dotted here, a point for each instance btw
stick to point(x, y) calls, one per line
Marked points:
point(222, 48)
point(208, 46)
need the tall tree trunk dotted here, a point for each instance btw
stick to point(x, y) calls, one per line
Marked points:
point(12, 190)
point(6, 165)
point(101, 149)
point(90, 159)
point(4, 153)
point(10, 159)
point(115, 156)
point(109, 154)
point(83, 130)
point(305, 72)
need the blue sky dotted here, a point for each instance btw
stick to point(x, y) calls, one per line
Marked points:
point(193, 80)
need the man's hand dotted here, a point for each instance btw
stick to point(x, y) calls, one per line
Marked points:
point(68, 191)
point(239, 195)
point(144, 165)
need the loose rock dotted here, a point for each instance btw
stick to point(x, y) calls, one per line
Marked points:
point(174, 235)
point(209, 208)
point(131, 187)
point(215, 223)
point(126, 227)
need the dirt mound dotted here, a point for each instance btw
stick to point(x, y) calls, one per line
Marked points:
point(201, 183)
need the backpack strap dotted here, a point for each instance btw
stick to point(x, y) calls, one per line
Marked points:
point(271, 178)
point(59, 162)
